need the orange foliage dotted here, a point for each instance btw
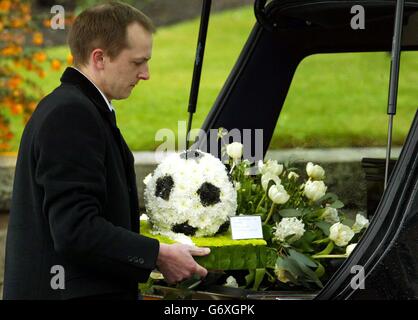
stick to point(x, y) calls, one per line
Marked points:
point(5, 5)
point(14, 82)
point(70, 59)
point(56, 64)
point(38, 38)
point(21, 54)
point(39, 56)
point(46, 23)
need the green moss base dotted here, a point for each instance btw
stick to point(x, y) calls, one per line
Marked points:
point(226, 253)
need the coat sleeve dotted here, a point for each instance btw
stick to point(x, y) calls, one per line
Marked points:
point(71, 170)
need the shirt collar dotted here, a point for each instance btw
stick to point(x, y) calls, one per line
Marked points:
point(104, 97)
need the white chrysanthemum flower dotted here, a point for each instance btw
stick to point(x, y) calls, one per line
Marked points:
point(288, 227)
point(340, 234)
point(361, 223)
point(314, 190)
point(147, 179)
point(330, 215)
point(178, 237)
point(193, 196)
point(231, 282)
point(315, 172)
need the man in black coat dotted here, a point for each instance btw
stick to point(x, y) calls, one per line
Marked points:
point(74, 220)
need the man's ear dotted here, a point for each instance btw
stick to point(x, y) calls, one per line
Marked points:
point(97, 58)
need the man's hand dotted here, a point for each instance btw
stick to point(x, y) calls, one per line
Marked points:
point(176, 263)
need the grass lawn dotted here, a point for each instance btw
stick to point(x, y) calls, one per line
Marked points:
point(339, 100)
point(335, 100)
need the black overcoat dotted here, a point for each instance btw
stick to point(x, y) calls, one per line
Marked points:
point(75, 202)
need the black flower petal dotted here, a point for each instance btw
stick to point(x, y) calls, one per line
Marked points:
point(209, 194)
point(223, 228)
point(185, 228)
point(227, 168)
point(191, 155)
point(163, 187)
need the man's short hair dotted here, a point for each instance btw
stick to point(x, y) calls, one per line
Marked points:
point(104, 26)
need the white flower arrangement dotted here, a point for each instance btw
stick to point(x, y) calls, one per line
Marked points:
point(315, 171)
point(193, 194)
point(289, 229)
point(360, 224)
point(330, 215)
point(231, 282)
point(234, 150)
point(350, 248)
point(267, 177)
point(278, 194)
point(314, 190)
point(270, 166)
point(302, 222)
point(341, 234)
point(190, 194)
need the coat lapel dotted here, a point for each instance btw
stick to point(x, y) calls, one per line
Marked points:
point(72, 76)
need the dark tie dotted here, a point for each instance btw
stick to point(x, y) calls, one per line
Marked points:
point(112, 117)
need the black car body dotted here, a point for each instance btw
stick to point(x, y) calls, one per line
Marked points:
point(286, 33)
